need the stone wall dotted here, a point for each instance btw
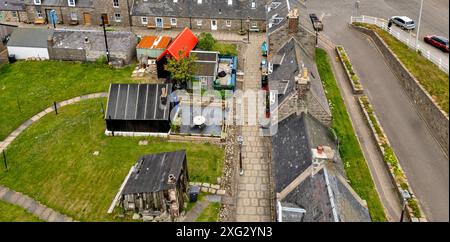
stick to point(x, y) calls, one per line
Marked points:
point(106, 7)
point(67, 54)
point(192, 23)
point(436, 119)
point(20, 16)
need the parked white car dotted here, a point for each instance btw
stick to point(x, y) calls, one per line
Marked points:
point(404, 22)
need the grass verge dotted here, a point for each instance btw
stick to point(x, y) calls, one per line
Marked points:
point(53, 161)
point(14, 213)
point(28, 87)
point(210, 213)
point(435, 81)
point(355, 165)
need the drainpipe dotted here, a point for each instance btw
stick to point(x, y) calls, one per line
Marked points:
point(129, 13)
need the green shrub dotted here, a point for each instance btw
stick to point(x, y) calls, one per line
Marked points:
point(206, 42)
point(415, 207)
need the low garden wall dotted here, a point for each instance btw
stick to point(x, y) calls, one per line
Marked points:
point(352, 77)
point(436, 119)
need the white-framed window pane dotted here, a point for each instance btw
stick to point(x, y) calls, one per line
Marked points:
point(144, 20)
point(173, 21)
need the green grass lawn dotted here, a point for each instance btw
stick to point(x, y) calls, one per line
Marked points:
point(53, 161)
point(13, 213)
point(355, 165)
point(434, 80)
point(210, 213)
point(28, 87)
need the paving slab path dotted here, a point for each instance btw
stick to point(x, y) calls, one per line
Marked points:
point(253, 191)
point(32, 206)
point(24, 201)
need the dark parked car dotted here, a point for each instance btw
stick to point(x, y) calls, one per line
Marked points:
point(437, 41)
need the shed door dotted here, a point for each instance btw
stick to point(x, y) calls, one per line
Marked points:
point(87, 18)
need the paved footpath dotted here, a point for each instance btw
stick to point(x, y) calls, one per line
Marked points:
point(41, 211)
point(24, 201)
point(253, 194)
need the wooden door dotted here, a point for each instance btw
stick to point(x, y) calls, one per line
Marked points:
point(105, 18)
point(87, 18)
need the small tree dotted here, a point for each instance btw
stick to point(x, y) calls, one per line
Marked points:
point(206, 42)
point(183, 70)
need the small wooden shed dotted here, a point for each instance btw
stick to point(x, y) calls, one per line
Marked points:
point(152, 46)
point(157, 185)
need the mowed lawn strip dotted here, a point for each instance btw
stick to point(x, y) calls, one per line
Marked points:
point(53, 161)
point(434, 80)
point(14, 213)
point(355, 165)
point(210, 213)
point(28, 87)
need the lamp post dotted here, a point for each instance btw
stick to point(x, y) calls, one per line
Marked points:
point(106, 39)
point(406, 196)
point(357, 3)
point(248, 29)
point(240, 141)
point(418, 26)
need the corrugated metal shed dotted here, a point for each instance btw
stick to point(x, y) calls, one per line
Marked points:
point(152, 46)
point(138, 102)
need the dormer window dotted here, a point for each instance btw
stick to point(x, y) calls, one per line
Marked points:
point(71, 3)
point(37, 2)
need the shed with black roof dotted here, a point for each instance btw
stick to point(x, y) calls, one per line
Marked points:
point(139, 108)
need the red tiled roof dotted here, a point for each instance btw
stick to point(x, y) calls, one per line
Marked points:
point(185, 42)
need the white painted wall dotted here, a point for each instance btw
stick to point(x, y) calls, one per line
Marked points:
point(23, 53)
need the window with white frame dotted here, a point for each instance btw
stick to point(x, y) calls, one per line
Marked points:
point(173, 21)
point(116, 3)
point(117, 17)
point(199, 22)
point(144, 20)
point(228, 23)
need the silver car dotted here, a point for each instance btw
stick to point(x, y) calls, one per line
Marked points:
point(404, 22)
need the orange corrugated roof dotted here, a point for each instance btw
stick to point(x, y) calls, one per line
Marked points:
point(148, 42)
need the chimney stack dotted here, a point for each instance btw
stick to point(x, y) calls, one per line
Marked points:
point(293, 18)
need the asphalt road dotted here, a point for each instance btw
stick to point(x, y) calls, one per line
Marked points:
point(425, 164)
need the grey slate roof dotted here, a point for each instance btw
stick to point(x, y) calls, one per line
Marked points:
point(287, 63)
point(138, 102)
point(291, 156)
point(63, 3)
point(209, 9)
point(12, 5)
point(153, 172)
point(117, 41)
point(277, 11)
point(283, 76)
point(30, 37)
